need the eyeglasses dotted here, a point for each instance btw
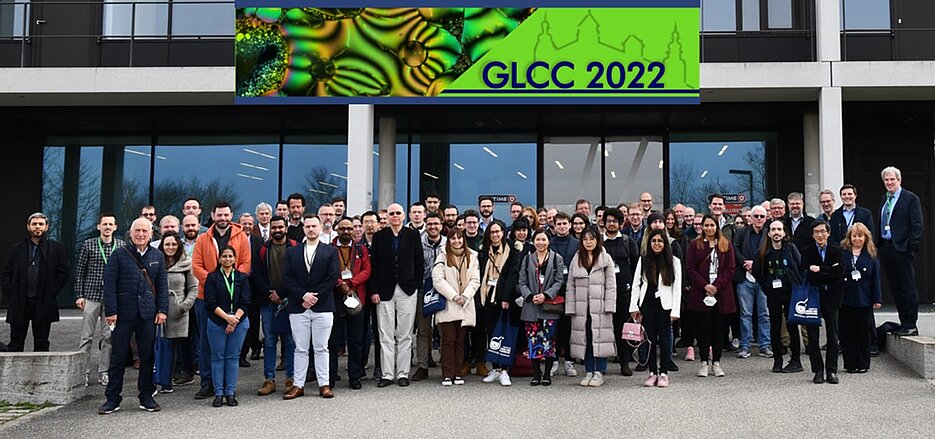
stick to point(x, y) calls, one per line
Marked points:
point(394, 213)
point(759, 216)
point(345, 229)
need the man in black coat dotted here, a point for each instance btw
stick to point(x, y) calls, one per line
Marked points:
point(36, 270)
point(252, 342)
point(898, 240)
point(824, 269)
point(625, 254)
point(398, 267)
point(848, 214)
point(798, 223)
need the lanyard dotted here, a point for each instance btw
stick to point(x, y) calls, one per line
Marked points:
point(345, 263)
point(100, 246)
point(229, 283)
point(310, 258)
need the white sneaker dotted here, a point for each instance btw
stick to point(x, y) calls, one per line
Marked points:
point(103, 379)
point(87, 378)
point(505, 379)
point(459, 381)
point(570, 369)
point(492, 376)
point(704, 370)
point(446, 382)
point(554, 368)
point(716, 367)
point(587, 379)
point(597, 381)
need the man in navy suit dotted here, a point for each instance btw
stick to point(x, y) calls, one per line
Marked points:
point(309, 275)
point(848, 214)
point(898, 240)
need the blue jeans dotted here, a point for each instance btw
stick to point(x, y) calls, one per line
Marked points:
point(204, 348)
point(225, 355)
point(748, 293)
point(592, 364)
point(269, 345)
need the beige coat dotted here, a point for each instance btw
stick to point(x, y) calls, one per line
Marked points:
point(444, 278)
point(593, 294)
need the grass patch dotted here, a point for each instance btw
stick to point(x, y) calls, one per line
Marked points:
point(6, 405)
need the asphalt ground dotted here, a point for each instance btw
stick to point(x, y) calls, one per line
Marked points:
point(890, 400)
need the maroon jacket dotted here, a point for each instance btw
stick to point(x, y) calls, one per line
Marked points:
point(360, 268)
point(697, 263)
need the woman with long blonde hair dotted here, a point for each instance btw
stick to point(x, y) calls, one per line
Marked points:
point(862, 295)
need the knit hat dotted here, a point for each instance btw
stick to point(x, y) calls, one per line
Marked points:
point(654, 217)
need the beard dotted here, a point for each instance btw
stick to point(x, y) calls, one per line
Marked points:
point(278, 235)
point(191, 234)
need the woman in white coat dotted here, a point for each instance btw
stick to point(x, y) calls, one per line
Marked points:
point(456, 277)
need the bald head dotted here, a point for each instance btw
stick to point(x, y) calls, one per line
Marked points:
point(141, 232)
point(395, 216)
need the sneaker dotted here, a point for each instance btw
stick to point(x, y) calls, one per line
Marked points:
point(554, 368)
point(447, 382)
point(166, 390)
point(586, 381)
point(108, 408)
point(205, 392)
point(459, 381)
point(766, 352)
point(716, 367)
point(663, 381)
point(492, 376)
point(183, 380)
point(505, 379)
point(650, 380)
point(149, 406)
point(597, 381)
point(744, 353)
point(793, 367)
point(87, 378)
point(570, 369)
point(703, 371)
point(690, 354)
point(735, 344)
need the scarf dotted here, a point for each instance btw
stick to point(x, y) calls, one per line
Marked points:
point(461, 259)
point(496, 257)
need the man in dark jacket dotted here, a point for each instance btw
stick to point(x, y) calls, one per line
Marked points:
point(36, 270)
point(625, 255)
point(798, 223)
point(136, 299)
point(823, 268)
point(848, 214)
point(267, 279)
point(566, 245)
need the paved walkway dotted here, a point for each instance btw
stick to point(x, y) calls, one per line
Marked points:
point(889, 400)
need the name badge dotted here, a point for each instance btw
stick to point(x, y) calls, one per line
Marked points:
point(346, 274)
point(616, 269)
point(886, 227)
point(541, 279)
point(777, 284)
point(491, 282)
point(855, 275)
point(565, 271)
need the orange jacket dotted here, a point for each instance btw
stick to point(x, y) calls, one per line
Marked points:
point(205, 254)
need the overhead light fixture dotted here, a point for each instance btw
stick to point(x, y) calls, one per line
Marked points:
point(559, 164)
point(521, 175)
point(325, 183)
point(704, 174)
point(660, 164)
point(457, 166)
point(318, 191)
point(252, 166)
point(259, 153)
point(490, 152)
point(144, 154)
point(376, 153)
point(338, 176)
point(613, 174)
point(723, 149)
point(430, 175)
point(251, 177)
point(606, 153)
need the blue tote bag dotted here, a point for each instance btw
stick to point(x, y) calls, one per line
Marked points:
point(432, 300)
point(502, 341)
point(162, 374)
point(804, 307)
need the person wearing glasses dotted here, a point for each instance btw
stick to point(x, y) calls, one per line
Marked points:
point(578, 223)
point(823, 267)
point(749, 293)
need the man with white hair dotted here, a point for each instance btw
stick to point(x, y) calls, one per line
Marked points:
point(898, 239)
point(749, 293)
point(264, 213)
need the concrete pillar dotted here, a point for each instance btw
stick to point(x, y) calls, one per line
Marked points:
point(828, 24)
point(812, 163)
point(831, 137)
point(359, 158)
point(387, 162)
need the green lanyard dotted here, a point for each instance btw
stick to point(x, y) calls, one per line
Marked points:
point(230, 288)
point(100, 246)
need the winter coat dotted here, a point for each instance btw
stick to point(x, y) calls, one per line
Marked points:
point(592, 294)
point(670, 296)
point(53, 274)
point(183, 289)
point(205, 255)
point(127, 293)
point(528, 285)
point(444, 278)
point(697, 266)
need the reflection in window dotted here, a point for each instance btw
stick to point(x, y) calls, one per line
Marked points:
point(12, 18)
point(150, 19)
point(53, 183)
point(632, 166)
point(780, 14)
point(207, 17)
point(135, 184)
point(316, 170)
point(89, 192)
point(698, 169)
point(750, 10)
point(718, 15)
point(572, 171)
point(865, 14)
point(492, 169)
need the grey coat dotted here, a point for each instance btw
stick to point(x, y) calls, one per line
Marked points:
point(183, 289)
point(592, 294)
point(528, 285)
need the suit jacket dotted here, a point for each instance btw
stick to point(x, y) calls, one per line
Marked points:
point(839, 222)
point(405, 267)
point(126, 291)
point(863, 292)
point(744, 251)
point(830, 273)
point(905, 222)
point(802, 237)
point(320, 279)
point(260, 278)
point(53, 274)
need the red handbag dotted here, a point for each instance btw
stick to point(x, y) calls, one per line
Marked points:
point(556, 305)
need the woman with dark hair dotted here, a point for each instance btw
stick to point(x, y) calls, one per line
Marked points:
point(862, 295)
point(520, 234)
point(657, 301)
point(227, 298)
point(498, 262)
point(532, 217)
point(455, 275)
point(540, 279)
point(710, 266)
point(579, 222)
point(776, 269)
point(591, 300)
point(672, 225)
point(183, 288)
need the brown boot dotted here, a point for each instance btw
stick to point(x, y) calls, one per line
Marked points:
point(482, 370)
point(269, 386)
point(465, 369)
point(420, 374)
point(325, 392)
point(294, 393)
point(288, 385)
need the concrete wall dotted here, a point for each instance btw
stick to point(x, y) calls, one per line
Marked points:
point(37, 377)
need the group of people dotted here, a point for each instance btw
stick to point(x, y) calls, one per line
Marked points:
point(620, 284)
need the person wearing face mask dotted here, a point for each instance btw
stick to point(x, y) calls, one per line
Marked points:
point(566, 245)
point(498, 263)
point(776, 269)
point(227, 299)
point(823, 268)
point(455, 275)
point(591, 300)
point(183, 289)
point(861, 295)
point(540, 279)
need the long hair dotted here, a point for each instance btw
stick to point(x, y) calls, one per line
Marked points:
point(486, 241)
point(765, 243)
point(662, 265)
point(170, 261)
point(534, 224)
point(584, 218)
point(450, 257)
point(587, 259)
point(847, 244)
point(675, 231)
point(722, 242)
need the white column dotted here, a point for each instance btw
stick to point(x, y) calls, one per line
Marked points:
point(359, 158)
point(387, 162)
point(828, 23)
point(831, 137)
point(812, 143)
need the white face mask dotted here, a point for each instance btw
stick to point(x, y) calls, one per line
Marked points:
point(709, 301)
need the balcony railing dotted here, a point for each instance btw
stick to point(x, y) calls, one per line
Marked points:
point(905, 44)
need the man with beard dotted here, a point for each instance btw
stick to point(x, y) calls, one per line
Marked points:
point(267, 276)
point(432, 243)
point(798, 222)
point(485, 207)
point(190, 231)
point(296, 204)
point(451, 216)
point(191, 206)
point(282, 209)
point(339, 206)
point(354, 266)
point(327, 215)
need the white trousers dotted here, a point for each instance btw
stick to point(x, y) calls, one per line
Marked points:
point(395, 318)
point(312, 328)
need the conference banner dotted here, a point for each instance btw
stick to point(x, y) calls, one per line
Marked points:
point(634, 52)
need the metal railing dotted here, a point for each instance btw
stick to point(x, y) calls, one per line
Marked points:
point(895, 37)
point(809, 34)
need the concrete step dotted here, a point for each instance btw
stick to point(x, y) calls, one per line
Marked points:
point(916, 352)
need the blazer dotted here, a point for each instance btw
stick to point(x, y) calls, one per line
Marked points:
point(839, 222)
point(217, 296)
point(321, 279)
point(802, 237)
point(405, 267)
point(829, 276)
point(697, 265)
point(905, 222)
point(53, 274)
point(127, 294)
point(866, 291)
point(669, 295)
point(528, 285)
point(260, 278)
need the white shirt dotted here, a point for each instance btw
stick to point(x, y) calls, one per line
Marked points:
point(264, 232)
point(309, 254)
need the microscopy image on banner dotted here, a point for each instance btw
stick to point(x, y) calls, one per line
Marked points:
point(433, 55)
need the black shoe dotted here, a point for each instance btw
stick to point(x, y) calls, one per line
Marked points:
point(547, 381)
point(432, 362)
point(108, 408)
point(641, 367)
point(355, 384)
point(218, 401)
point(672, 367)
point(874, 351)
point(777, 366)
point(403, 382)
point(183, 380)
point(150, 405)
point(818, 378)
point(793, 367)
point(384, 383)
point(832, 378)
point(535, 382)
point(420, 374)
point(862, 370)
point(205, 392)
point(231, 400)
point(244, 362)
point(907, 332)
point(255, 356)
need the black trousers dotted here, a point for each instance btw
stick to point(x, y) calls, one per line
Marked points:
point(777, 302)
point(184, 355)
point(688, 324)
point(624, 351)
point(252, 342)
point(855, 337)
point(710, 326)
point(40, 331)
point(356, 349)
point(658, 327)
point(901, 277)
point(145, 331)
point(813, 349)
point(475, 346)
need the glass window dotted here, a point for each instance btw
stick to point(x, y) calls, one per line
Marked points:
point(492, 169)
point(572, 171)
point(12, 18)
point(865, 14)
point(150, 19)
point(633, 165)
point(203, 18)
point(698, 169)
point(316, 168)
point(780, 14)
point(750, 10)
point(242, 171)
point(89, 192)
point(135, 190)
point(718, 15)
point(53, 183)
